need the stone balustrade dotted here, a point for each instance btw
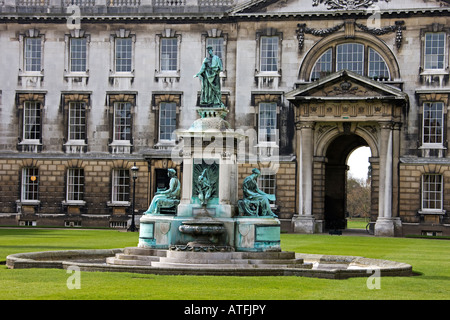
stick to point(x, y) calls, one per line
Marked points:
point(101, 6)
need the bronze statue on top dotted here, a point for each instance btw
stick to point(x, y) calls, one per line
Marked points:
point(209, 74)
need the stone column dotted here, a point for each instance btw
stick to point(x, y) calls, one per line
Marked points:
point(384, 225)
point(304, 221)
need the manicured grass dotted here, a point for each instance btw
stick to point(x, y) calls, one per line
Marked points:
point(429, 258)
point(357, 223)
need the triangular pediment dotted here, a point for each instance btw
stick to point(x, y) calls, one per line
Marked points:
point(346, 85)
point(298, 6)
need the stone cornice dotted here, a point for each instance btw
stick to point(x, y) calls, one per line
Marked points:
point(8, 17)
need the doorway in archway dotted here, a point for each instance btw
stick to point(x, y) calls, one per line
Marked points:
point(336, 174)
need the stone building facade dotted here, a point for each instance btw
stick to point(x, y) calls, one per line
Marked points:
point(88, 89)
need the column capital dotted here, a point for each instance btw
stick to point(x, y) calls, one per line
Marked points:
point(305, 125)
point(387, 125)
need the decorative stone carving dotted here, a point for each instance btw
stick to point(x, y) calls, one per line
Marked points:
point(346, 4)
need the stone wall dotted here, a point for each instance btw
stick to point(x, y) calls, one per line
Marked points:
point(52, 208)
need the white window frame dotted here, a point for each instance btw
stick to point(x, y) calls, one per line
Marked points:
point(117, 192)
point(128, 122)
point(123, 45)
point(369, 61)
point(433, 145)
point(329, 64)
point(359, 61)
point(271, 189)
point(35, 77)
point(262, 131)
point(27, 182)
point(75, 186)
point(167, 76)
point(83, 52)
point(162, 105)
point(37, 122)
point(122, 34)
point(444, 55)
point(438, 192)
point(263, 58)
point(83, 108)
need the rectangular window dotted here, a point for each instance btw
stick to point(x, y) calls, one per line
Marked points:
point(78, 55)
point(123, 55)
point(33, 54)
point(77, 121)
point(350, 56)
point(267, 122)
point(121, 185)
point(269, 54)
point(169, 54)
point(30, 184)
point(434, 50)
point(433, 120)
point(32, 121)
point(217, 45)
point(167, 120)
point(75, 184)
point(432, 192)
point(266, 183)
point(122, 121)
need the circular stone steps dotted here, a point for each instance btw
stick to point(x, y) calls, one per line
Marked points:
point(207, 260)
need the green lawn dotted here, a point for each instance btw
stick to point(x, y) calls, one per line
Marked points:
point(430, 260)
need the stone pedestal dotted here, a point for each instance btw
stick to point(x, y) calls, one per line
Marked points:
point(303, 224)
point(257, 234)
point(384, 227)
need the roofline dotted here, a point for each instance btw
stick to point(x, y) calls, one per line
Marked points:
point(208, 16)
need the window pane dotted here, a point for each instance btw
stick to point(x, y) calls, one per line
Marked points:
point(432, 192)
point(32, 121)
point(377, 66)
point(266, 183)
point(75, 184)
point(217, 45)
point(167, 120)
point(77, 121)
point(350, 56)
point(267, 122)
point(123, 55)
point(169, 54)
point(78, 55)
point(122, 121)
point(433, 122)
point(434, 50)
point(33, 54)
point(323, 65)
point(121, 184)
point(30, 183)
point(269, 54)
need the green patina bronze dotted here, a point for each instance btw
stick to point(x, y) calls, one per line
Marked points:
point(256, 203)
point(169, 198)
point(209, 75)
point(205, 181)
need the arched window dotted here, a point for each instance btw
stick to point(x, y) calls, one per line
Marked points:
point(352, 56)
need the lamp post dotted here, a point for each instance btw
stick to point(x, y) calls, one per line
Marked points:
point(134, 171)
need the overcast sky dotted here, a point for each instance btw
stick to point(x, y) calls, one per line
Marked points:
point(359, 162)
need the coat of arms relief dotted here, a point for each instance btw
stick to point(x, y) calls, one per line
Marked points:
point(346, 4)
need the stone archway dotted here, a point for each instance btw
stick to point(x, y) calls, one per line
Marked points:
point(334, 116)
point(335, 179)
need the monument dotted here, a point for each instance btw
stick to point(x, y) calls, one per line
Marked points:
point(207, 215)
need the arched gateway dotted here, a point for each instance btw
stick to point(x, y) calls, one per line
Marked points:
point(334, 115)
